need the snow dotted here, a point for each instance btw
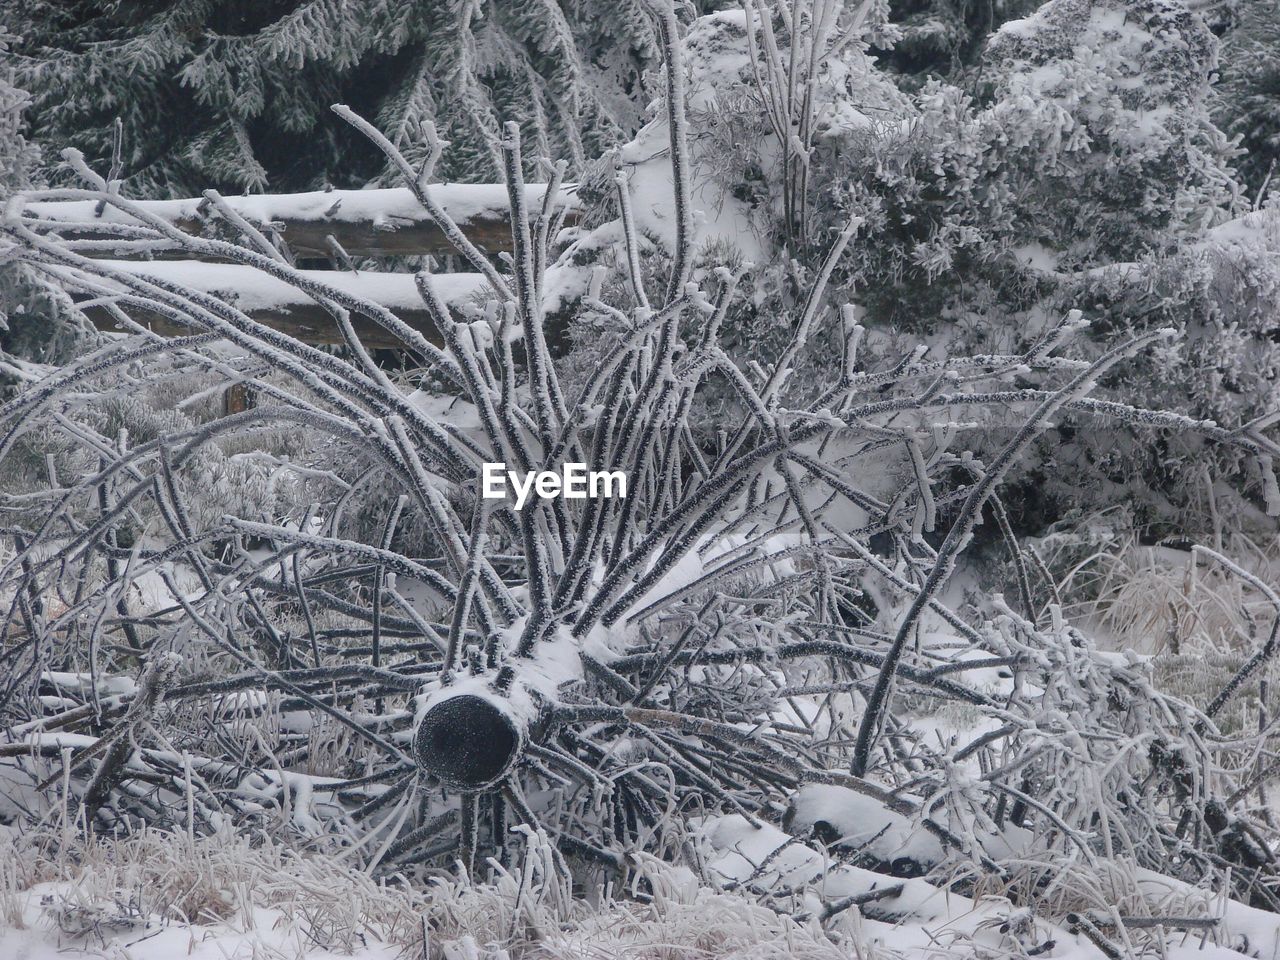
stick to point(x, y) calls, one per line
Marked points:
point(37, 739)
point(551, 664)
point(714, 551)
point(717, 215)
point(1037, 257)
point(386, 208)
point(83, 682)
point(862, 823)
point(252, 290)
point(52, 918)
point(1258, 227)
point(451, 410)
point(852, 97)
point(256, 292)
point(1250, 930)
point(834, 843)
point(926, 921)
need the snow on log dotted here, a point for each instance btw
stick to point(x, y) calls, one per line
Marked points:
point(764, 858)
point(861, 828)
point(367, 223)
point(285, 307)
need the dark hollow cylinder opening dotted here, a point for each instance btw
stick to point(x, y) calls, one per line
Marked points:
point(467, 742)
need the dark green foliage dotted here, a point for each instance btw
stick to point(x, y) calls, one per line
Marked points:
point(234, 94)
point(30, 311)
point(1248, 103)
point(945, 38)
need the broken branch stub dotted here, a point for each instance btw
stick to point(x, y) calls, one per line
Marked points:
point(468, 742)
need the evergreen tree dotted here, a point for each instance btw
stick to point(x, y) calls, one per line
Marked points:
point(235, 94)
point(944, 39)
point(1249, 89)
point(31, 310)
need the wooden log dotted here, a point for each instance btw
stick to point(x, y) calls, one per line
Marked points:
point(288, 309)
point(367, 223)
point(306, 322)
point(468, 742)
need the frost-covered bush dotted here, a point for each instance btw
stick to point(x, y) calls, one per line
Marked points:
point(944, 38)
point(1093, 145)
point(1153, 597)
point(1104, 115)
point(1222, 293)
point(982, 217)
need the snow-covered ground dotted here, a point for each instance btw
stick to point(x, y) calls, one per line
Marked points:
point(155, 896)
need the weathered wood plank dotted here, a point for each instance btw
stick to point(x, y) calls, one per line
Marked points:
point(367, 223)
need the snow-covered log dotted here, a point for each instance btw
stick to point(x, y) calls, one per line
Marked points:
point(365, 223)
point(468, 741)
point(285, 306)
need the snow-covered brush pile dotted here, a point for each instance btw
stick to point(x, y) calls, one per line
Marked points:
point(750, 636)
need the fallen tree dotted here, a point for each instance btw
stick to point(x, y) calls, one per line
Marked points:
point(750, 620)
